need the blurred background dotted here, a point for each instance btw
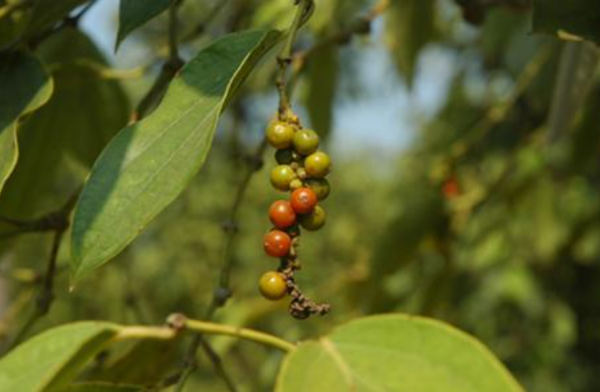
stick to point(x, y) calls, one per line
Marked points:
point(465, 186)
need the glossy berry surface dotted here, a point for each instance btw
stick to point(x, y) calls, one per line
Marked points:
point(303, 200)
point(280, 135)
point(277, 243)
point(306, 141)
point(281, 176)
point(272, 285)
point(320, 186)
point(315, 220)
point(282, 214)
point(317, 165)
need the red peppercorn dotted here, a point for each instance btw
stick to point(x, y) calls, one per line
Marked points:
point(282, 214)
point(277, 243)
point(303, 200)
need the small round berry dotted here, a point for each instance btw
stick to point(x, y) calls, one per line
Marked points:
point(280, 135)
point(303, 200)
point(315, 220)
point(295, 184)
point(320, 186)
point(282, 214)
point(277, 243)
point(284, 157)
point(306, 141)
point(272, 285)
point(451, 188)
point(317, 164)
point(281, 176)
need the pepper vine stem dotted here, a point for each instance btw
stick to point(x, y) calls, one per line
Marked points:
point(304, 9)
point(181, 322)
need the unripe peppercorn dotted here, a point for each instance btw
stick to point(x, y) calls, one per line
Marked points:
point(281, 176)
point(320, 186)
point(317, 165)
point(284, 157)
point(306, 141)
point(303, 200)
point(280, 135)
point(281, 214)
point(272, 285)
point(295, 184)
point(315, 220)
point(277, 243)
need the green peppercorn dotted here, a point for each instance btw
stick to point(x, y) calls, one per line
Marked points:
point(280, 134)
point(320, 186)
point(317, 165)
point(314, 220)
point(282, 176)
point(306, 141)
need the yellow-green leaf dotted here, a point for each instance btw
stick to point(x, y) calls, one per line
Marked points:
point(394, 353)
point(53, 358)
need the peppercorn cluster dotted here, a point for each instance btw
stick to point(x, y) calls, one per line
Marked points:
point(301, 170)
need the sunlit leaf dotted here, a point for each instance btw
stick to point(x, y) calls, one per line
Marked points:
point(53, 358)
point(394, 353)
point(148, 164)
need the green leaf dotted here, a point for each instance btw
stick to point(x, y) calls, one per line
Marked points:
point(88, 108)
point(147, 362)
point(577, 69)
point(573, 19)
point(24, 87)
point(101, 387)
point(83, 114)
point(323, 71)
point(148, 164)
point(409, 27)
point(394, 353)
point(53, 358)
point(46, 13)
point(135, 13)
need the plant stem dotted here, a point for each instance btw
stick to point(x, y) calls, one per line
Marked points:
point(217, 363)
point(206, 327)
point(168, 71)
point(284, 58)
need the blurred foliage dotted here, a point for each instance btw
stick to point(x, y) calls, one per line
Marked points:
point(479, 221)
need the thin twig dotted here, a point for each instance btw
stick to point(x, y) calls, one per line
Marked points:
point(223, 291)
point(168, 71)
point(217, 363)
point(46, 295)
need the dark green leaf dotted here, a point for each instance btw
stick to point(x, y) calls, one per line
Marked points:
point(148, 164)
point(53, 358)
point(135, 13)
point(410, 25)
point(101, 387)
point(46, 13)
point(323, 72)
point(83, 114)
point(147, 362)
point(573, 19)
point(394, 353)
point(24, 87)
